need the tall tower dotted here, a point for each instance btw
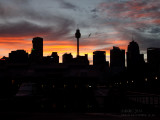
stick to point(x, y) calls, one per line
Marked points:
point(37, 50)
point(77, 35)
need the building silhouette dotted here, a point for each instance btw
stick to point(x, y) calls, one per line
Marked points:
point(99, 61)
point(134, 58)
point(153, 58)
point(99, 58)
point(135, 65)
point(54, 58)
point(67, 58)
point(37, 50)
point(81, 60)
point(77, 35)
point(117, 58)
point(18, 56)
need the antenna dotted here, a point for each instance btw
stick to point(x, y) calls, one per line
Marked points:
point(132, 37)
point(77, 26)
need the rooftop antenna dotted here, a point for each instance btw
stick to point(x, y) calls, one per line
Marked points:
point(77, 26)
point(132, 37)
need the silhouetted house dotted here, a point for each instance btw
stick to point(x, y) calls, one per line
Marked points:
point(3, 60)
point(117, 58)
point(67, 58)
point(37, 50)
point(153, 58)
point(18, 56)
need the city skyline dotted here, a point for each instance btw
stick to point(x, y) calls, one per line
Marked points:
point(103, 24)
point(37, 49)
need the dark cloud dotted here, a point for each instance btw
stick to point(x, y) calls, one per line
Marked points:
point(25, 28)
point(67, 5)
point(22, 28)
point(155, 30)
point(94, 10)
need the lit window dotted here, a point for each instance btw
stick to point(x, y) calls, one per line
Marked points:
point(42, 85)
point(89, 86)
point(146, 79)
point(65, 85)
point(127, 81)
point(156, 78)
point(53, 86)
point(132, 81)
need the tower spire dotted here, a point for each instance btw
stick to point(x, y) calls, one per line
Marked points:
point(77, 35)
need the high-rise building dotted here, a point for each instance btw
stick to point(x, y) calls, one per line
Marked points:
point(99, 57)
point(153, 58)
point(134, 58)
point(37, 50)
point(99, 61)
point(18, 56)
point(117, 58)
point(67, 58)
point(54, 58)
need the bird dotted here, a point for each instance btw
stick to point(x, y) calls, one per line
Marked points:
point(89, 35)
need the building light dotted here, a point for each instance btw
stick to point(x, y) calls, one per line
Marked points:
point(146, 79)
point(127, 82)
point(120, 83)
point(89, 86)
point(65, 85)
point(156, 78)
point(42, 85)
point(13, 81)
point(75, 86)
point(53, 86)
point(132, 81)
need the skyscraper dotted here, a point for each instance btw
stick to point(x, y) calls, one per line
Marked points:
point(99, 57)
point(99, 61)
point(134, 58)
point(153, 58)
point(37, 50)
point(54, 58)
point(117, 58)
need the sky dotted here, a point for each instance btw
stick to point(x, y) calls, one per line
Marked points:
point(103, 24)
